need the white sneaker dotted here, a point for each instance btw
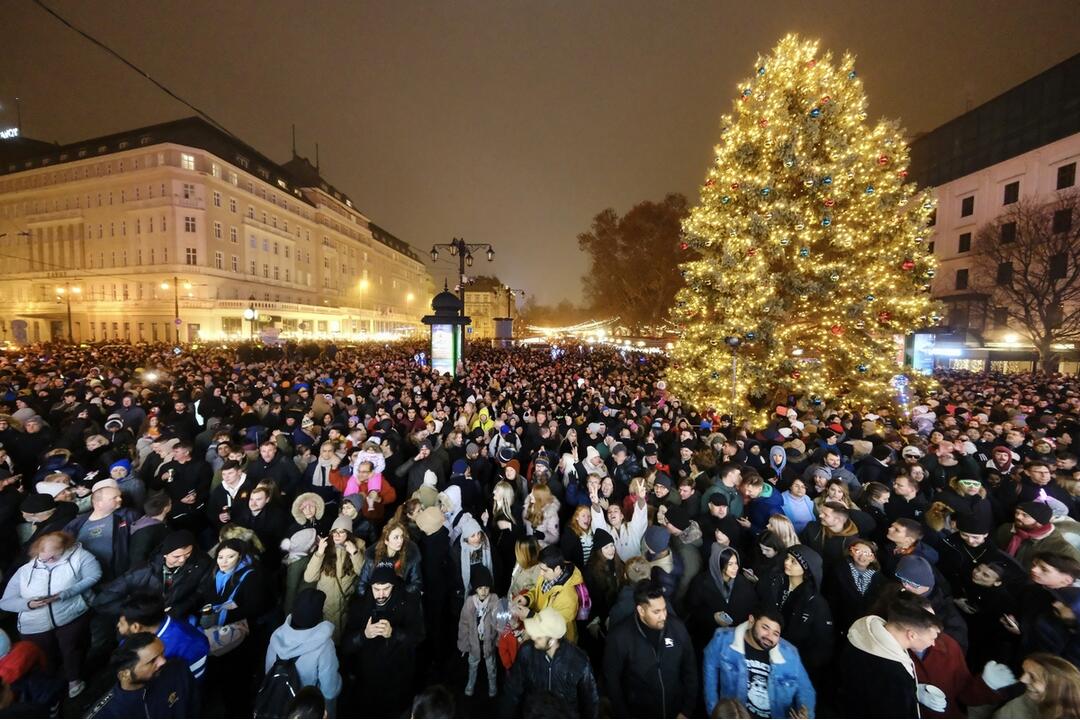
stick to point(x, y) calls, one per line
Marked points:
point(75, 688)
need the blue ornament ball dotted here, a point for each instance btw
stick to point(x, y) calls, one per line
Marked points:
point(751, 335)
point(804, 252)
point(816, 112)
point(761, 70)
point(851, 75)
point(869, 189)
point(869, 298)
point(766, 190)
point(746, 92)
point(726, 199)
point(862, 368)
point(827, 180)
point(826, 221)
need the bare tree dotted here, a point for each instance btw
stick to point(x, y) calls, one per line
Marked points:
point(1027, 263)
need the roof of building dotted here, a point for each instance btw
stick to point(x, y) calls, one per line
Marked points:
point(1036, 112)
point(24, 153)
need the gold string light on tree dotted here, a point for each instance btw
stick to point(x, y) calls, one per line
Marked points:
point(812, 246)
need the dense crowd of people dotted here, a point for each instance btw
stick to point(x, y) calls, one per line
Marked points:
point(310, 531)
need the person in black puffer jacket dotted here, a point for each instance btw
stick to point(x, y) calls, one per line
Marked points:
point(550, 663)
point(175, 574)
point(650, 665)
point(808, 623)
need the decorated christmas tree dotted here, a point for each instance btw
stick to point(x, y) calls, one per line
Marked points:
point(812, 247)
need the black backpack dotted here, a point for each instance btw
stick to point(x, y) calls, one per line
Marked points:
point(278, 689)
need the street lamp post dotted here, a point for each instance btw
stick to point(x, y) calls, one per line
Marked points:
point(250, 314)
point(67, 291)
point(176, 304)
point(510, 292)
point(463, 250)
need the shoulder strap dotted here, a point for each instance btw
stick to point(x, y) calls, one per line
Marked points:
point(237, 586)
point(100, 704)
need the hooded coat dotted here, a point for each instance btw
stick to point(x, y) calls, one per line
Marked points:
point(313, 649)
point(462, 553)
point(876, 675)
point(562, 596)
point(710, 593)
point(339, 586)
point(808, 623)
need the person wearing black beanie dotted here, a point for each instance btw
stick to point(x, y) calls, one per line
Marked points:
point(308, 640)
point(1030, 532)
point(478, 633)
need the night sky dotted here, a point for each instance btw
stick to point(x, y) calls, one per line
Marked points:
point(504, 122)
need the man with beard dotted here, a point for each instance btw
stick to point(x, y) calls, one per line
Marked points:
point(753, 664)
point(548, 664)
point(1031, 531)
point(148, 685)
point(384, 628)
point(649, 663)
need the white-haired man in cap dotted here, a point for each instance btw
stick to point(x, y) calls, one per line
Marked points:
point(547, 664)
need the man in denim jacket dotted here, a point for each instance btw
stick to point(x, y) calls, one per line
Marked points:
point(751, 663)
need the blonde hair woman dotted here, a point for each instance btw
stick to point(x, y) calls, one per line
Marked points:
point(541, 515)
point(784, 529)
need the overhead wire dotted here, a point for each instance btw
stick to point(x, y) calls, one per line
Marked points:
point(133, 66)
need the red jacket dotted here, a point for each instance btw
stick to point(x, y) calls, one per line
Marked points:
point(23, 657)
point(943, 665)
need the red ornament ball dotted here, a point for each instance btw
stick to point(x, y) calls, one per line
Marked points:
point(837, 330)
point(795, 374)
point(762, 122)
point(825, 100)
point(684, 246)
point(710, 182)
point(752, 252)
point(884, 316)
point(829, 202)
point(903, 173)
point(883, 159)
point(908, 265)
point(734, 186)
point(812, 63)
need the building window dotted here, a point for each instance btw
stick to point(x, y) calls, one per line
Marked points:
point(215, 170)
point(189, 191)
point(932, 220)
point(151, 256)
point(1058, 266)
point(232, 205)
point(287, 252)
point(219, 261)
point(235, 264)
point(930, 247)
point(967, 206)
point(252, 266)
point(1062, 220)
point(276, 273)
point(1008, 232)
point(275, 247)
point(217, 231)
point(1066, 176)
point(187, 162)
point(962, 279)
point(217, 199)
point(138, 256)
point(189, 224)
point(287, 274)
point(1005, 273)
point(965, 242)
point(266, 270)
point(266, 245)
point(253, 242)
point(251, 211)
point(191, 256)
point(1012, 193)
point(234, 236)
